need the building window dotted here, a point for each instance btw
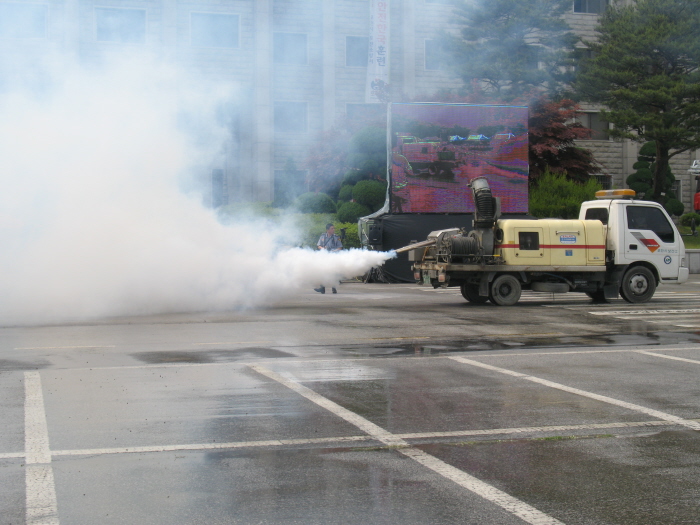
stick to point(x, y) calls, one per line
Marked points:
point(434, 55)
point(599, 126)
point(677, 189)
point(590, 6)
point(23, 20)
point(124, 26)
point(213, 30)
point(290, 117)
point(605, 181)
point(356, 51)
point(289, 48)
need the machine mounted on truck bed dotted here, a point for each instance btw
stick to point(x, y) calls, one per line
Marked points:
point(618, 245)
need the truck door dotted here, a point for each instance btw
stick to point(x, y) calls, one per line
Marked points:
point(650, 236)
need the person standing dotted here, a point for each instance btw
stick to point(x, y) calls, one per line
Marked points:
point(331, 242)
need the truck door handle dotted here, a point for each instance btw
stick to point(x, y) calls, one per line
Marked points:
point(633, 246)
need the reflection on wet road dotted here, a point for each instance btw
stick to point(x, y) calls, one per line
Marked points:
point(511, 437)
point(155, 424)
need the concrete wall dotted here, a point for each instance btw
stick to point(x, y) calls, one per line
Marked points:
point(693, 257)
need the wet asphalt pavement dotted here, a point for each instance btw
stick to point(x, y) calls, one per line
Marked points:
point(382, 404)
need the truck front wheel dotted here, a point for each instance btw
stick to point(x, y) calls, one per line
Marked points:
point(471, 293)
point(638, 285)
point(505, 290)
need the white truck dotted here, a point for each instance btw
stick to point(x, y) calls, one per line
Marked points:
point(618, 245)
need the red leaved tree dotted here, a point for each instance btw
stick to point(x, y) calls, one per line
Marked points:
point(552, 132)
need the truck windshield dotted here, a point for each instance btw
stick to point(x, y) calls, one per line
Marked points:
point(648, 218)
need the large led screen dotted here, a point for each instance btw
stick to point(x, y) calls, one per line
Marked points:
point(436, 149)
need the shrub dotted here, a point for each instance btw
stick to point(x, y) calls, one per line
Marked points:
point(674, 207)
point(354, 176)
point(345, 193)
point(352, 239)
point(351, 211)
point(685, 219)
point(315, 203)
point(371, 193)
point(556, 196)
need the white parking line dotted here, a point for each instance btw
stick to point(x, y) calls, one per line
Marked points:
point(42, 508)
point(508, 433)
point(695, 361)
point(507, 502)
point(631, 406)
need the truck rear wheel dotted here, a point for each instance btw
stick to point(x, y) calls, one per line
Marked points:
point(638, 285)
point(505, 290)
point(471, 293)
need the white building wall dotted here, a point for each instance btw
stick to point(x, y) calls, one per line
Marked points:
point(325, 84)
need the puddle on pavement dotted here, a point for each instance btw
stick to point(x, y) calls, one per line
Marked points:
point(13, 365)
point(510, 343)
point(212, 356)
point(605, 479)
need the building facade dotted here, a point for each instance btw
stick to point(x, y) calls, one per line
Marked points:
point(299, 65)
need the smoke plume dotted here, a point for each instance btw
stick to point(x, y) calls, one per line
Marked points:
point(94, 219)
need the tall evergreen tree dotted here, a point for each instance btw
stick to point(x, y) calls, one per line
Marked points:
point(644, 69)
point(510, 47)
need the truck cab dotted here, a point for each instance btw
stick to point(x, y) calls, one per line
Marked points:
point(639, 234)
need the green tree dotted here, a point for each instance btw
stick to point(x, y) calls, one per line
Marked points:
point(370, 193)
point(556, 196)
point(509, 47)
point(644, 69)
point(351, 211)
point(367, 153)
point(315, 203)
point(642, 180)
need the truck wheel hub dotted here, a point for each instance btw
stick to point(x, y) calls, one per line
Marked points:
point(639, 284)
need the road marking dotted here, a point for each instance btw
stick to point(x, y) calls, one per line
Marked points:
point(12, 455)
point(695, 361)
point(61, 347)
point(209, 446)
point(507, 502)
point(531, 430)
point(648, 312)
point(42, 508)
point(605, 399)
point(569, 352)
point(512, 432)
point(235, 343)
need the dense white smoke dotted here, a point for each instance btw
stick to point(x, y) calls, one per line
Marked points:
point(93, 219)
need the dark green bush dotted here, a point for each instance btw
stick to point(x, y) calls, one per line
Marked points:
point(315, 203)
point(371, 193)
point(354, 176)
point(674, 207)
point(685, 219)
point(351, 211)
point(345, 193)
